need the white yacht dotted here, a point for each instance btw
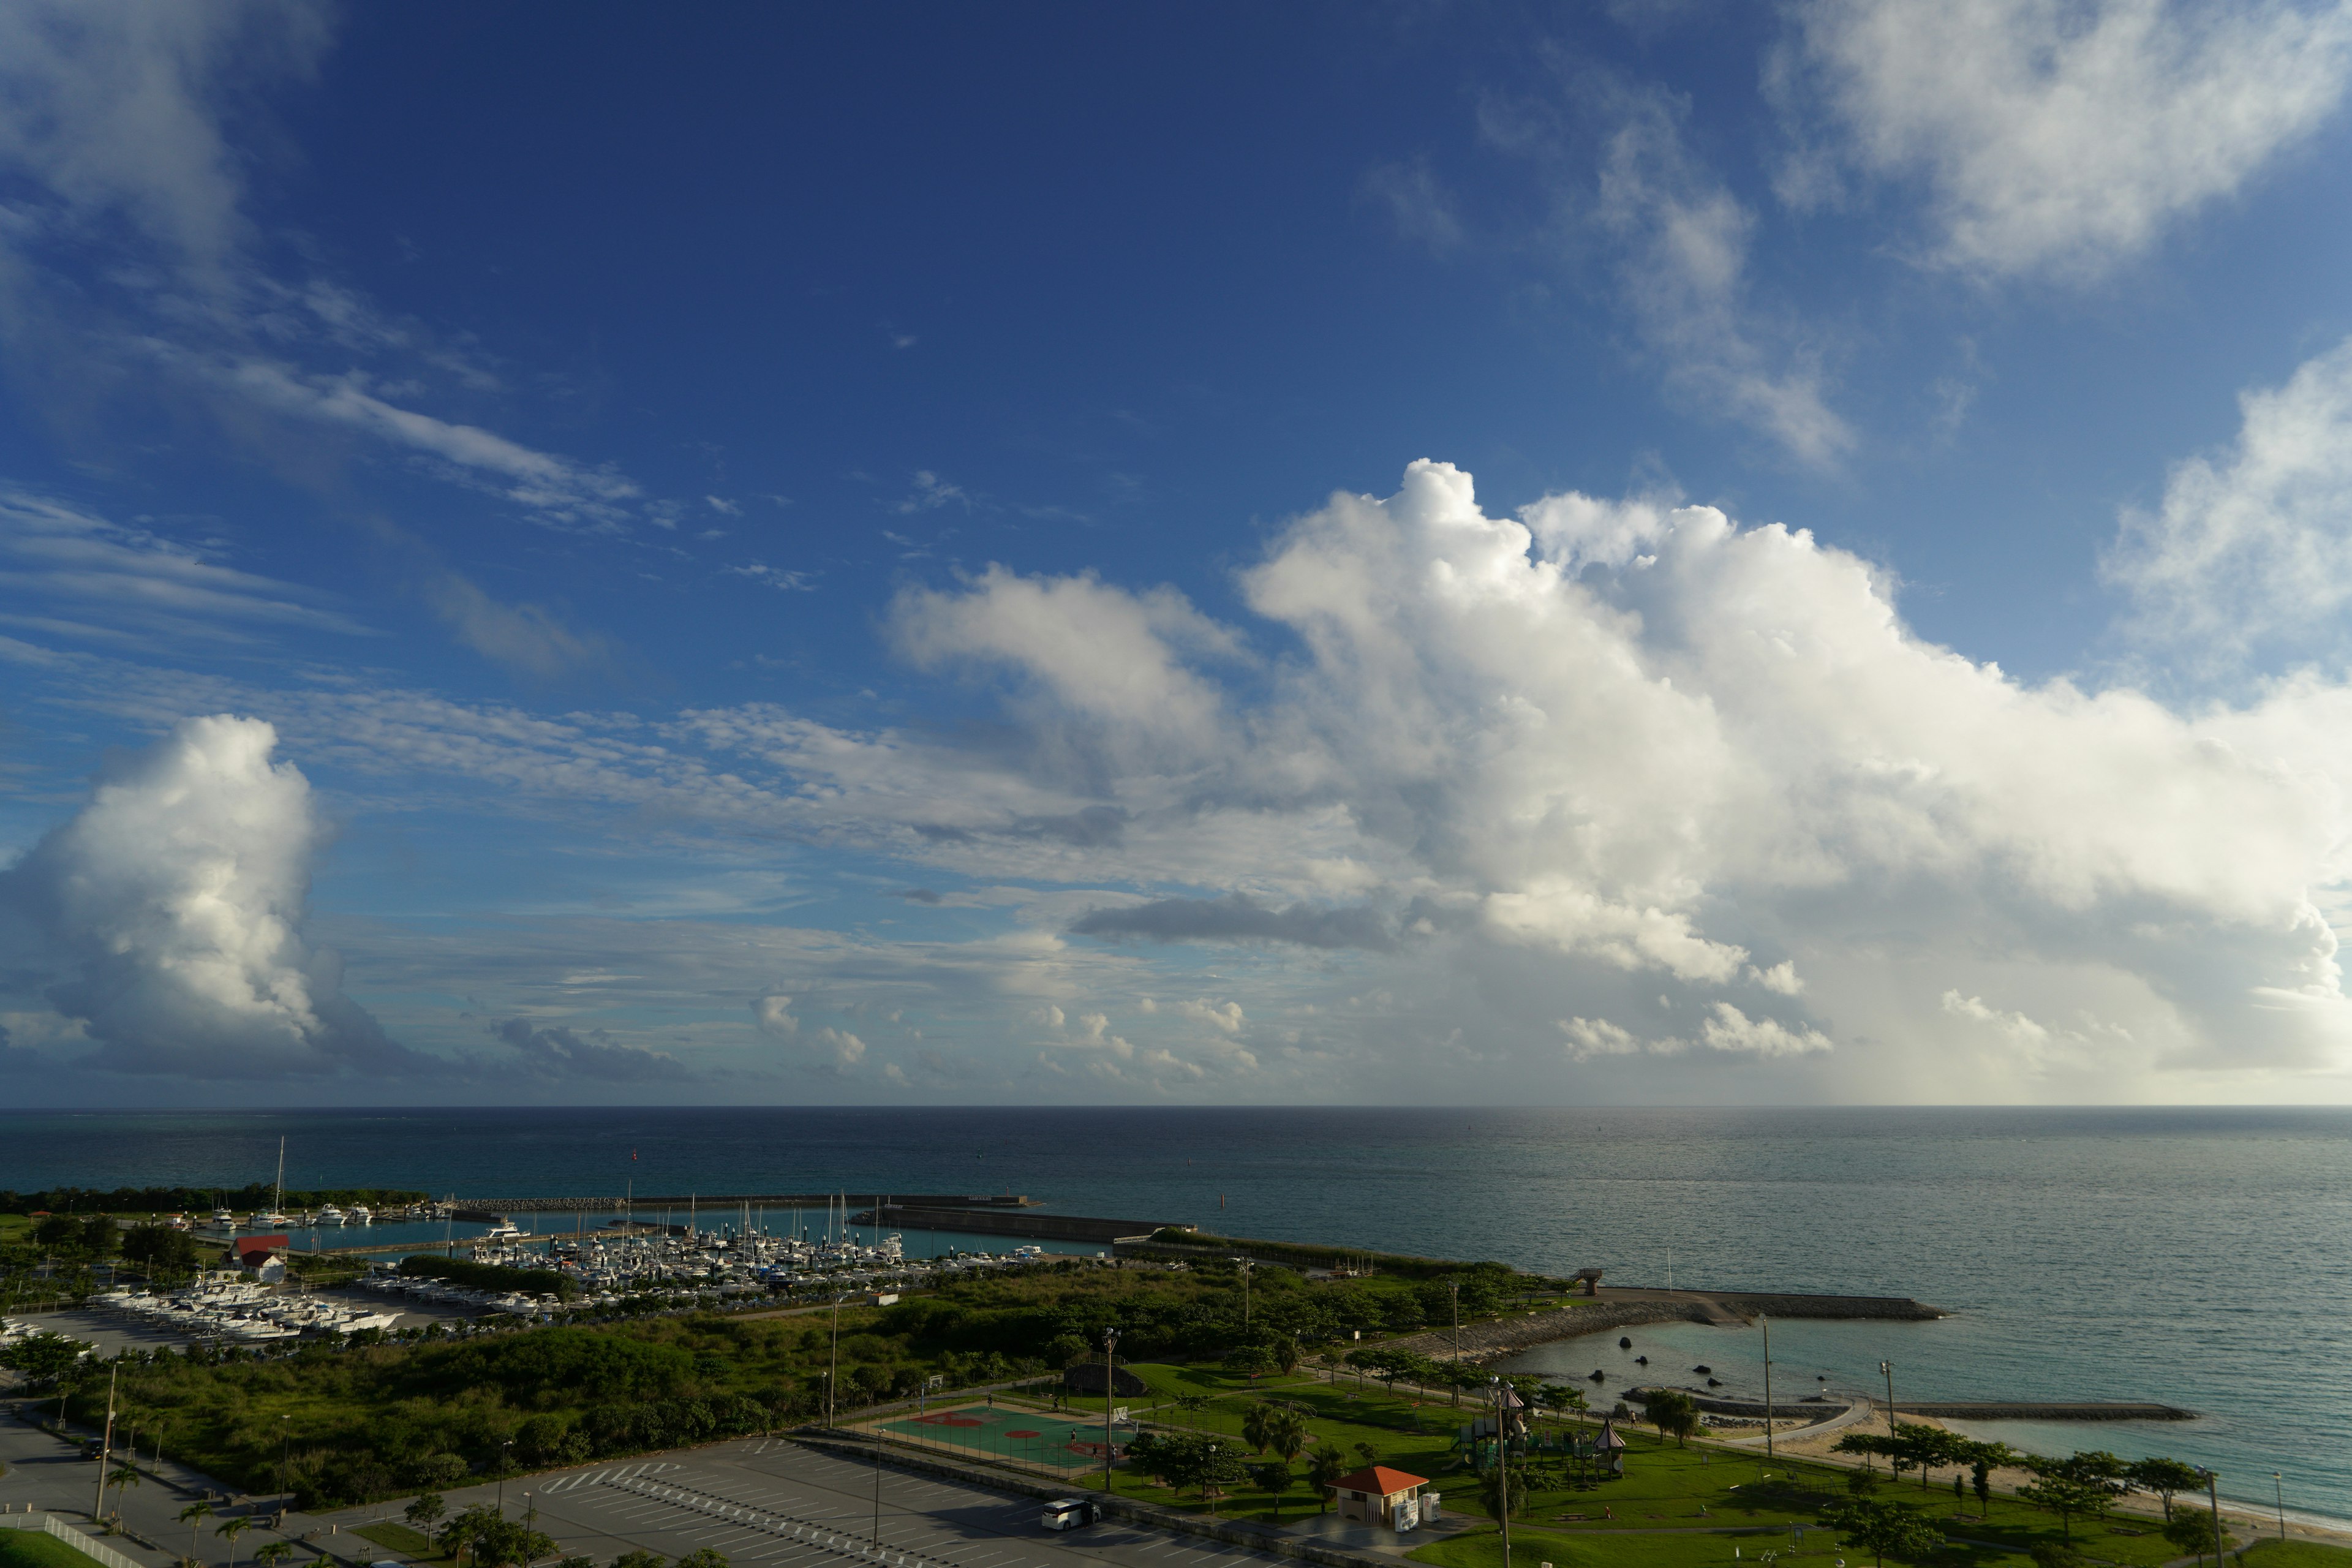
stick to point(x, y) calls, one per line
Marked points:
point(362, 1215)
point(330, 1215)
point(505, 1230)
point(222, 1220)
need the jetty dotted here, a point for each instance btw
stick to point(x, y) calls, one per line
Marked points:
point(916, 1214)
point(501, 1208)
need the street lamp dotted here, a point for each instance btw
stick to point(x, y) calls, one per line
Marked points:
point(1888, 1368)
point(1110, 1365)
point(504, 1451)
point(2213, 1500)
point(1502, 1472)
point(281, 1463)
point(2278, 1487)
point(1767, 1322)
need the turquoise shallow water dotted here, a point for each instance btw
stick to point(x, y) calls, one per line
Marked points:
point(2195, 1258)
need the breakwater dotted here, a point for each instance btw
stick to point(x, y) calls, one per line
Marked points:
point(909, 1215)
point(1618, 1309)
point(1815, 1408)
point(610, 1204)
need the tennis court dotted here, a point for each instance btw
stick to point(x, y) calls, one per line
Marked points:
point(1021, 1436)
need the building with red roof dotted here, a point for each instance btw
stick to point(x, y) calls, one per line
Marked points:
point(1373, 1494)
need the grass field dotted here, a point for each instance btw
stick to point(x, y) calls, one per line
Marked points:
point(2296, 1554)
point(1675, 1507)
point(36, 1549)
point(396, 1537)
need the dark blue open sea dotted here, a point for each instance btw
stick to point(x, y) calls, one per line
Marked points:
point(2200, 1258)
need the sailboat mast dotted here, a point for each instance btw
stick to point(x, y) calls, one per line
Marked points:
point(277, 1199)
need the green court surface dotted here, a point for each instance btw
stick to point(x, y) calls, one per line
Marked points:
point(1022, 1437)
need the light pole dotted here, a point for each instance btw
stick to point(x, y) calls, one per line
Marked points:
point(1111, 1367)
point(1246, 1264)
point(281, 1463)
point(505, 1454)
point(2278, 1487)
point(1502, 1472)
point(1767, 1321)
point(1454, 1289)
point(2213, 1498)
point(105, 1443)
point(834, 1365)
point(1888, 1368)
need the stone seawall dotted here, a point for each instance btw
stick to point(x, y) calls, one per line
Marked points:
point(1500, 1336)
point(1503, 1336)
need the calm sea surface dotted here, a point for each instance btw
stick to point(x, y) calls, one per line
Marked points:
point(2200, 1258)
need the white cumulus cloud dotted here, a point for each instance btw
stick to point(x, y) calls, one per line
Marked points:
point(169, 913)
point(2253, 546)
point(2064, 136)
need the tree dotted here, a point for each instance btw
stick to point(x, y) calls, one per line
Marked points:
point(2190, 1530)
point(702, 1557)
point(193, 1515)
point(1274, 1476)
point(1325, 1468)
point(122, 1474)
point(274, 1552)
point(2164, 1477)
point(1884, 1529)
point(2051, 1555)
point(99, 1236)
point(1862, 1485)
point(2066, 1496)
point(44, 1358)
point(159, 1249)
point(1983, 1460)
point(230, 1529)
point(425, 1510)
point(1674, 1412)
point(1869, 1444)
point(1493, 1485)
point(1251, 1360)
point(1929, 1447)
point(1256, 1424)
point(1286, 1435)
point(641, 1560)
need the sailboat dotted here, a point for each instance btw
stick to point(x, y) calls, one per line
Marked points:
point(276, 1218)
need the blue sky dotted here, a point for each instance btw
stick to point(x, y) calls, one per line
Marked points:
point(1471, 553)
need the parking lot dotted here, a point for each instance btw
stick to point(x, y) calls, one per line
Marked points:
point(769, 1503)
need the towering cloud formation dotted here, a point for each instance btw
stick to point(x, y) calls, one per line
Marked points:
point(168, 914)
point(1637, 781)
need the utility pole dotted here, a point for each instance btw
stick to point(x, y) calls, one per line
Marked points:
point(2278, 1486)
point(1502, 1472)
point(834, 1367)
point(2213, 1497)
point(1244, 1265)
point(1110, 1365)
point(105, 1446)
point(1768, 1385)
point(1888, 1368)
point(1454, 1288)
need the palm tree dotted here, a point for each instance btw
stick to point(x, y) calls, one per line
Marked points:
point(229, 1530)
point(195, 1515)
point(275, 1553)
point(121, 1476)
point(1326, 1466)
point(1258, 1422)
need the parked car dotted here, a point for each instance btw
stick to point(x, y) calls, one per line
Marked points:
point(1069, 1513)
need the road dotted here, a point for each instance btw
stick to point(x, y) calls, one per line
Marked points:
point(771, 1503)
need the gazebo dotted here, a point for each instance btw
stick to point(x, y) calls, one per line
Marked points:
point(1371, 1495)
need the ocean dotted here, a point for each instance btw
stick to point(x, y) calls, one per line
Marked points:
point(2193, 1257)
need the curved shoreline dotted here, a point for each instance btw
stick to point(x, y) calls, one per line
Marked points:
point(1625, 1309)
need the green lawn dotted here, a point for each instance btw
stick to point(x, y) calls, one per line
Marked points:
point(2296, 1554)
point(1697, 1492)
point(38, 1549)
point(396, 1537)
